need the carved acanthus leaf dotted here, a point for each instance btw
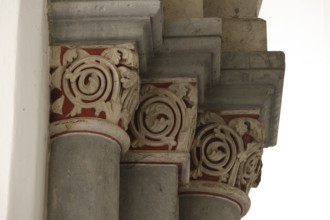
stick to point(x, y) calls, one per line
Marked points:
point(122, 55)
point(57, 105)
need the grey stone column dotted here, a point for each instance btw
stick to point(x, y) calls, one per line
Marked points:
point(207, 207)
point(148, 192)
point(94, 93)
point(83, 178)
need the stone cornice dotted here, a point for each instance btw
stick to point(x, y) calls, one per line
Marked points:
point(251, 81)
point(232, 8)
point(92, 22)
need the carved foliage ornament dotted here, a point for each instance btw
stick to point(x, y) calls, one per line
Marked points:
point(228, 151)
point(100, 82)
point(166, 117)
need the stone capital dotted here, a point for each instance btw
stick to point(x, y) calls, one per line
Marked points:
point(226, 156)
point(94, 89)
point(163, 126)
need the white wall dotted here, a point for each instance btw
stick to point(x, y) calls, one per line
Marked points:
point(8, 26)
point(326, 12)
point(295, 179)
point(24, 120)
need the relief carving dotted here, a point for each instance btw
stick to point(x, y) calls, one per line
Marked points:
point(166, 116)
point(100, 82)
point(227, 150)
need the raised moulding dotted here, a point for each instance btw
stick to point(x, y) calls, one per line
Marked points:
point(94, 89)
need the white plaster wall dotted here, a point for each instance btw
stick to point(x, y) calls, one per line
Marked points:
point(295, 180)
point(327, 33)
point(8, 27)
point(24, 108)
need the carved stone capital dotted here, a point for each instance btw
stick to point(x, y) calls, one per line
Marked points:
point(226, 154)
point(93, 83)
point(163, 126)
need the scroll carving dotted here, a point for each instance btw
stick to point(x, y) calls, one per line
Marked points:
point(166, 116)
point(101, 82)
point(227, 150)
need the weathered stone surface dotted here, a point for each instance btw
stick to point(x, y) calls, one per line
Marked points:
point(109, 22)
point(198, 66)
point(83, 178)
point(198, 207)
point(148, 192)
point(193, 38)
point(174, 9)
point(232, 8)
point(244, 35)
point(253, 60)
point(191, 48)
point(139, 21)
point(251, 81)
point(198, 27)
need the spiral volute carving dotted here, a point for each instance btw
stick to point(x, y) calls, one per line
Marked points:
point(163, 117)
point(229, 151)
point(98, 82)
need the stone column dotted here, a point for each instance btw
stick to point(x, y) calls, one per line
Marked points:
point(94, 92)
point(158, 161)
point(225, 164)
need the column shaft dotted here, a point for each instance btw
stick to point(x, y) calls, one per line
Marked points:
point(83, 178)
point(148, 192)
